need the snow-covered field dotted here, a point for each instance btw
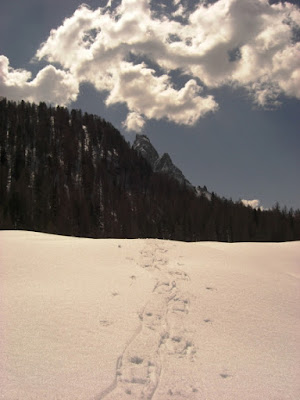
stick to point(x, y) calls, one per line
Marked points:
point(147, 319)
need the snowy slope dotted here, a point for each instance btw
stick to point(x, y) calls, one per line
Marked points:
point(147, 319)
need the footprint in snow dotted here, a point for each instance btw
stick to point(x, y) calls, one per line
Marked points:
point(225, 376)
point(105, 322)
point(136, 360)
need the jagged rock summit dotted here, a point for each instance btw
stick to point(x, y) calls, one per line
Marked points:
point(158, 163)
point(164, 164)
point(143, 146)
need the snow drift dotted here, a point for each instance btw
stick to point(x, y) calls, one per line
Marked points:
point(147, 319)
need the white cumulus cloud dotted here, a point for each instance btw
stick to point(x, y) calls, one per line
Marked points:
point(50, 84)
point(155, 97)
point(131, 50)
point(134, 122)
point(255, 204)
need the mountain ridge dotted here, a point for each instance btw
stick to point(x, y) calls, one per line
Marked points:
point(164, 164)
point(72, 173)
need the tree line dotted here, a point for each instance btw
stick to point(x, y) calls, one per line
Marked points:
point(72, 173)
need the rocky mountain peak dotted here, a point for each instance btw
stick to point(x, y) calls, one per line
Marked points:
point(143, 145)
point(165, 164)
point(162, 163)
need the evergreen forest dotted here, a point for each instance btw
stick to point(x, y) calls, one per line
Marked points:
point(72, 173)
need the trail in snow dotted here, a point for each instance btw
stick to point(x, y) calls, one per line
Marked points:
point(147, 319)
point(161, 333)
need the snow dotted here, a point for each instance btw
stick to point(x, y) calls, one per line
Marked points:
point(147, 319)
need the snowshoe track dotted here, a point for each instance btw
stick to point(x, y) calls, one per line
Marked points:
point(161, 333)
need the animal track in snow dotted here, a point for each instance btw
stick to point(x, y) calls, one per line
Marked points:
point(225, 376)
point(105, 322)
point(210, 288)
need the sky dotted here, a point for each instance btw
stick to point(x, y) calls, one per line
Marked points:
point(216, 84)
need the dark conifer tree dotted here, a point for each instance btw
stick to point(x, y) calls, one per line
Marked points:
point(70, 173)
